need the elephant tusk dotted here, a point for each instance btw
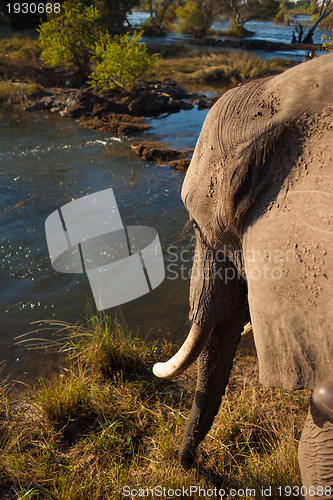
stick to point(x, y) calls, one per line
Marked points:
point(187, 354)
point(247, 333)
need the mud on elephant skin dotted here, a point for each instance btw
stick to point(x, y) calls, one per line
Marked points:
point(259, 191)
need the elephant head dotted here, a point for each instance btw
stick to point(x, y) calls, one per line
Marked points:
point(259, 192)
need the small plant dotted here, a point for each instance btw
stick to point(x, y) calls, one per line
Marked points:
point(122, 62)
point(328, 41)
point(70, 37)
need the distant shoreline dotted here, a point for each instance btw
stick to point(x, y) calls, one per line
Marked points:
point(254, 45)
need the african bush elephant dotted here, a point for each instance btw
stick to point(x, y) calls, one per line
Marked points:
point(259, 191)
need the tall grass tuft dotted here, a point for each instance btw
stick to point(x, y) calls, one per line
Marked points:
point(16, 95)
point(219, 67)
point(105, 423)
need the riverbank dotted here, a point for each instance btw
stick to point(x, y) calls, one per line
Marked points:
point(20, 68)
point(27, 85)
point(216, 67)
point(104, 422)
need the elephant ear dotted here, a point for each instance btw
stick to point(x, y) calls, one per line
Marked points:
point(244, 129)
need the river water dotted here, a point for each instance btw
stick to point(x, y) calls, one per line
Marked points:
point(46, 161)
point(263, 30)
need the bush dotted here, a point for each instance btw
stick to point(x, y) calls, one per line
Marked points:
point(122, 61)
point(328, 41)
point(70, 37)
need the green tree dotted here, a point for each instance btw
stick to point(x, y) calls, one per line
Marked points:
point(326, 8)
point(195, 17)
point(122, 62)
point(241, 11)
point(70, 37)
point(162, 16)
point(114, 12)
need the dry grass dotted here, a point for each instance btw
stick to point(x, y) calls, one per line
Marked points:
point(106, 422)
point(218, 67)
point(17, 48)
point(16, 96)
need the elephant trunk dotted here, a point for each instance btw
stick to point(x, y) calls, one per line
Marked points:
point(187, 354)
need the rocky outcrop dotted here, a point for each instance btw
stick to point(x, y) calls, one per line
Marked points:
point(152, 98)
point(154, 151)
point(75, 103)
point(203, 102)
point(151, 103)
point(123, 112)
point(180, 165)
point(115, 123)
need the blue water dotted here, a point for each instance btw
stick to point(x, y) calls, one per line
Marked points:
point(47, 161)
point(263, 30)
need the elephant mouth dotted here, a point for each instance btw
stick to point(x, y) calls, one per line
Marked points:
point(196, 340)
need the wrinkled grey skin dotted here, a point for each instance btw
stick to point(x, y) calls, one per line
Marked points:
point(259, 191)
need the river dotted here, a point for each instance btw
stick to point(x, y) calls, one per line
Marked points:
point(263, 30)
point(46, 162)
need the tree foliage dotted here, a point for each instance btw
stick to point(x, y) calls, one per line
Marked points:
point(242, 11)
point(195, 17)
point(326, 8)
point(162, 16)
point(70, 37)
point(122, 61)
point(114, 12)
point(328, 41)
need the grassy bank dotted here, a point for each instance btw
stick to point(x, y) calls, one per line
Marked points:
point(106, 422)
point(20, 64)
point(15, 95)
point(218, 67)
point(19, 58)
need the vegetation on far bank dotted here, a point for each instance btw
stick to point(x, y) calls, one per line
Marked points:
point(211, 67)
point(328, 41)
point(76, 49)
point(16, 96)
point(105, 422)
point(24, 75)
point(194, 17)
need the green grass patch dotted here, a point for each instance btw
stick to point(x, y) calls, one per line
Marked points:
point(105, 422)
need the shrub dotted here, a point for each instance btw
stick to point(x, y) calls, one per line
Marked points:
point(70, 37)
point(122, 61)
point(328, 41)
